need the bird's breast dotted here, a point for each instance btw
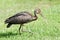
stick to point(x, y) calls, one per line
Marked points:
point(23, 19)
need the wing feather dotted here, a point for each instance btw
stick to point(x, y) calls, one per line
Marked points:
point(19, 17)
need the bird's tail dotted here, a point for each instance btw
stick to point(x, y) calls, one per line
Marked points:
point(6, 21)
point(9, 25)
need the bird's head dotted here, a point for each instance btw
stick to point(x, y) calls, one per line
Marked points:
point(38, 11)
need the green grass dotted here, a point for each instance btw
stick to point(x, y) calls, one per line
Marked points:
point(41, 30)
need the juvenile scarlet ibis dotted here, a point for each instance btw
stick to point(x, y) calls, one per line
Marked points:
point(22, 18)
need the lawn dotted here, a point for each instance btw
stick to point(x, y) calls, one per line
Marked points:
point(41, 30)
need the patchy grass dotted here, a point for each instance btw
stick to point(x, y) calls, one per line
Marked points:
point(41, 30)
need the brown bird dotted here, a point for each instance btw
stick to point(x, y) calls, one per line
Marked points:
point(22, 18)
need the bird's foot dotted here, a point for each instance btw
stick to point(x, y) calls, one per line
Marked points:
point(31, 33)
point(27, 31)
point(19, 32)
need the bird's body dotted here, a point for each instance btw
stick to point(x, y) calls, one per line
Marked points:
point(22, 18)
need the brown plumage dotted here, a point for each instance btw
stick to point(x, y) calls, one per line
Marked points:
point(22, 17)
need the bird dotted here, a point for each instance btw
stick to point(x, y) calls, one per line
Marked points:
point(23, 17)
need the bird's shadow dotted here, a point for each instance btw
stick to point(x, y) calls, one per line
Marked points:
point(10, 34)
point(7, 34)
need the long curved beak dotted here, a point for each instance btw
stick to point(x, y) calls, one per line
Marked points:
point(44, 18)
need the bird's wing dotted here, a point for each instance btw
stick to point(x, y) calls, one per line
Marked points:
point(19, 17)
point(21, 14)
point(23, 19)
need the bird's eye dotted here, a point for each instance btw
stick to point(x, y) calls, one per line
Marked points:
point(38, 11)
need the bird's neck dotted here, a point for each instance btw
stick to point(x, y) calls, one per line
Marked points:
point(35, 16)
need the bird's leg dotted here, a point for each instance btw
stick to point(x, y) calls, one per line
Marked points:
point(20, 28)
point(26, 30)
